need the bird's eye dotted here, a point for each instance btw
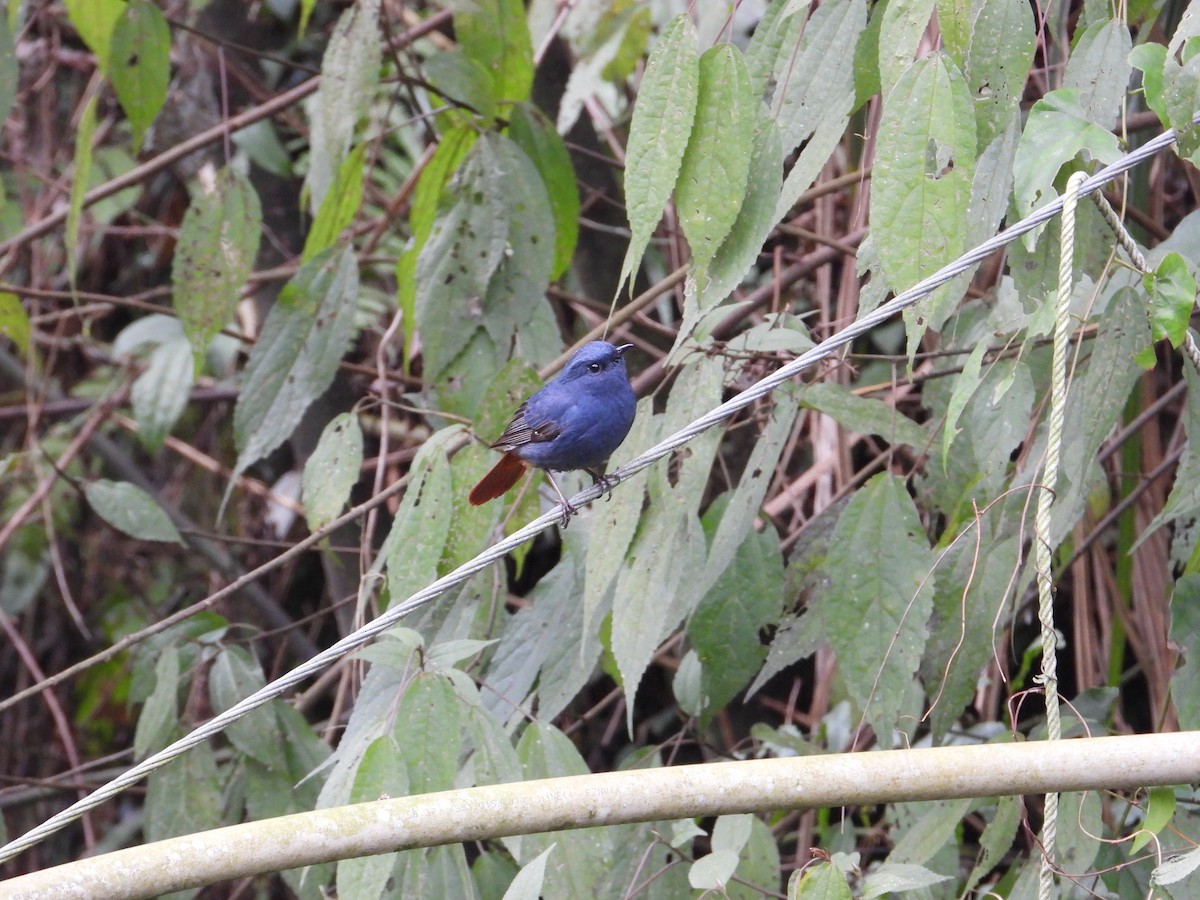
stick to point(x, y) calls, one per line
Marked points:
point(594, 368)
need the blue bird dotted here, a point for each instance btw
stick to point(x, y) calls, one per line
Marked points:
point(574, 422)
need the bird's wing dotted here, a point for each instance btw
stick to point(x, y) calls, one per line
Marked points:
point(525, 429)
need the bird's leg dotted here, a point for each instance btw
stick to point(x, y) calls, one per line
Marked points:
point(606, 482)
point(567, 509)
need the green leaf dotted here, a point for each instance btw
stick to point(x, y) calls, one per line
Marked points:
point(740, 249)
point(1095, 405)
point(340, 205)
point(926, 828)
point(1099, 70)
point(716, 164)
point(1176, 869)
point(745, 501)
point(883, 597)
point(380, 773)
point(306, 8)
point(494, 760)
point(218, 242)
point(79, 184)
point(261, 143)
point(863, 414)
point(758, 863)
point(921, 189)
point(537, 137)
point(1181, 84)
point(95, 20)
point(445, 161)
point(954, 22)
point(1185, 634)
point(297, 354)
point(650, 597)
point(712, 872)
point(893, 878)
point(813, 76)
point(493, 871)
point(867, 75)
point(1181, 95)
point(1151, 59)
point(724, 629)
point(14, 321)
point(235, 675)
point(1055, 132)
point(349, 78)
point(615, 522)
point(964, 389)
point(527, 885)
point(997, 838)
point(658, 134)
point(159, 719)
point(900, 31)
point(185, 796)
point(831, 128)
point(975, 575)
point(823, 881)
point(529, 638)
point(8, 70)
point(998, 59)
point(634, 39)
point(776, 30)
point(1171, 291)
point(1079, 823)
point(140, 65)
point(161, 393)
point(465, 247)
point(1160, 810)
point(516, 288)
point(109, 163)
point(495, 34)
point(428, 731)
point(582, 858)
point(332, 470)
point(131, 510)
point(462, 80)
point(588, 73)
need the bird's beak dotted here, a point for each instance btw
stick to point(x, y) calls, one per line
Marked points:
point(621, 349)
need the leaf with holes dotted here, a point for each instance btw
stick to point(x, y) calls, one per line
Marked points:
point(534, 134)
point(218, 242)
point(922, 183)
point(140, 65)
point(94, 20)
point(1171, 291)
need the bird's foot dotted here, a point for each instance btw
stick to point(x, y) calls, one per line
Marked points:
point(567, 511)
point(606, 482)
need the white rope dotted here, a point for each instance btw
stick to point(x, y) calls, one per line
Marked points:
point(1042, 556)
point(497, 551)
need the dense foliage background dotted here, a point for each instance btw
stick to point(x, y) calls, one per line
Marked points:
point(261, 263)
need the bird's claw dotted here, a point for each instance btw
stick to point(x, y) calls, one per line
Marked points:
point(606, 482)
point(567, 511)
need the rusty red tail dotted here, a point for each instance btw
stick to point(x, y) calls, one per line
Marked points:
point(502, 476)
